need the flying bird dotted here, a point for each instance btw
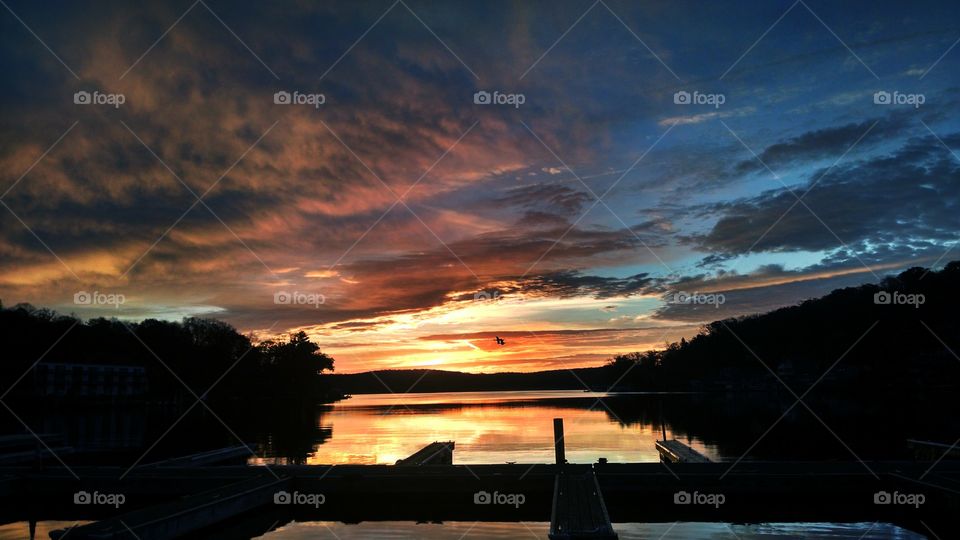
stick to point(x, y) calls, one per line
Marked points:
point(500, 341)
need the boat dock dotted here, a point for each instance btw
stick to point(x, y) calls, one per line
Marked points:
point(436, 453)
point(674, 451)
point(581, 501)
point(578, 508)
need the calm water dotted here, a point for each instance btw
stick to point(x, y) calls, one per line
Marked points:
point(487, 428)
point(481, 531)
point(626, 531)
point(503, 427)
point(518, 426)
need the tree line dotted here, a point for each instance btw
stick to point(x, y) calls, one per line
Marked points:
point(901, 332)
point(183, 360)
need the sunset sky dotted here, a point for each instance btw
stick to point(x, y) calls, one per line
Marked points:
point(408, 225)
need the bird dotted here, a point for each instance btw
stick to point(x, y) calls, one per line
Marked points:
point(500, 341)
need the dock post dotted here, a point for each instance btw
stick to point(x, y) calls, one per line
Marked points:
point(663, 425)
point(558, 440)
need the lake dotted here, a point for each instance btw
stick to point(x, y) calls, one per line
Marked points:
point(500, 427)
point(487, 427)
point(517, 427)
point(626, 531)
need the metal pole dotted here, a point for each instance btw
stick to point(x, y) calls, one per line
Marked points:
point(558, 440)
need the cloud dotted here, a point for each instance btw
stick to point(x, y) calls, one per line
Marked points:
point(827, 142)
point(906, 200)
point(548, 196)
point(306, 199)
point(704, 117)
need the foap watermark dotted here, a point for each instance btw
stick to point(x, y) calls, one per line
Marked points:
point(509, 499)
point(487, 296)
point(99, 98)
point(308, 499)
point(703, 299)
point(905, 499)
point(683, 97)
point(297, 98)
point(896, 98)
point(708, 499)
point(297, 298)
point(97, 298)
point(105, 499)
point(482, 97)
point(896, 298)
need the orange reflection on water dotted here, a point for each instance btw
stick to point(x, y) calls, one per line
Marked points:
point(488, 427)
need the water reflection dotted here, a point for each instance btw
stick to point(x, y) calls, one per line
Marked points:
point(487, 428)
point(496, 427)
point(479, 531)
point(626, 531)
point(511, 426)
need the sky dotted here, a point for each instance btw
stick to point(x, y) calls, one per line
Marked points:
point(406, 180)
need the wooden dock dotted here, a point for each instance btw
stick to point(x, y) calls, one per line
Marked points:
point(212, 457)
point(579, 512)
point(186, 516)
point(181, 498)
point(933, 451)
point(632, 492)
point(435, 453)
point(674, 451)
point(25, 448)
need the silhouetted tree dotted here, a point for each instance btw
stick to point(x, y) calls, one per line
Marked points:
point(195, 357)
point(805, 340)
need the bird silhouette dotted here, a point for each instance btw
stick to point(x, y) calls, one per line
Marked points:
point(500, 341)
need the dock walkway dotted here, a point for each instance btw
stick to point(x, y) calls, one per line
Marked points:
point(579, 512)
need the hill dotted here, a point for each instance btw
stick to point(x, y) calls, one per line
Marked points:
point(901, 332)
point(432, 380)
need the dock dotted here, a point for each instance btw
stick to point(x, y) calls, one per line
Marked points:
point(674, 451)
point(435, 453)
point(233, 454)
point(581, 501)
point(17, 449)
point(753, 492)
point(186, 516)
point(579, 512)
point(933, 451)
point(632, 492)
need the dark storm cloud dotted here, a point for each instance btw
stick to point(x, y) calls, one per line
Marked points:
point(552, 196)
point(746, 301)
point(828, 142)
point(571, 284)
point(909, 195)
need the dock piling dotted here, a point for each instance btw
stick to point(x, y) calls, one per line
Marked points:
point(558, 441)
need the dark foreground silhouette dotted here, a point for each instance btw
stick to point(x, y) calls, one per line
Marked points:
point(53, 357)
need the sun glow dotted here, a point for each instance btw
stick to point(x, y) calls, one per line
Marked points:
point(538, 333)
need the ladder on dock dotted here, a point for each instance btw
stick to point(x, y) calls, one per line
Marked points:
point(674, 451)
point(435, 453)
